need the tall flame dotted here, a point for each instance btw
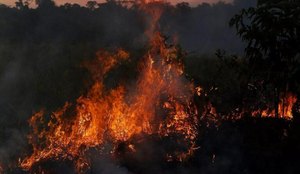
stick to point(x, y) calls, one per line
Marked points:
point(160, 103)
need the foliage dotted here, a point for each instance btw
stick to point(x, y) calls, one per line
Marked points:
point(272, 32)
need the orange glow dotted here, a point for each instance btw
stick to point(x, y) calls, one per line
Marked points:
point(285, 107)
point(160, 103)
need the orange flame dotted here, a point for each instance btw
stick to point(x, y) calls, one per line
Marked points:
point(285, 107)
point(161, 103)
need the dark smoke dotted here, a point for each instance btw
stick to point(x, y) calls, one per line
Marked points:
point(41, 51)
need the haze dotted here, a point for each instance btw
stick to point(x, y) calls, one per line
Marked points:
point(83, 2)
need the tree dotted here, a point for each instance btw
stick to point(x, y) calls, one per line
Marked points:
point(272, 31)
point(183, 7)
point(91, 5)
point(45, 3)
point(67, 6)
point(20, 4)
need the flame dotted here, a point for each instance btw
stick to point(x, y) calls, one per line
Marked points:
point(160, 103)
point(285, 107)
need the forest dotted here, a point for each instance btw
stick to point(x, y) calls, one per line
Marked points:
point(219, 95)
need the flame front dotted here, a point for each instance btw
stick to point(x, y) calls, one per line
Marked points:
point(285, 107)
point(160, 103)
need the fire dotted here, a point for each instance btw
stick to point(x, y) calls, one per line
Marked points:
point(160, 103)
point(285, 107)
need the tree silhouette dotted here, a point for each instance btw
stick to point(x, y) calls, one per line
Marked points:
point(272, 32)
point(20, 4)
point(91, 5)
point(45, 3)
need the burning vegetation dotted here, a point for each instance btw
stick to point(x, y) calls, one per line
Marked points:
point(160, 103)
point(163, 109)
point(285, 107)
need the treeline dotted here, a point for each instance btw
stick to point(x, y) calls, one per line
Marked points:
point(202, 29)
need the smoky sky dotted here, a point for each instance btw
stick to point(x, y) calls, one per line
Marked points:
point(83, 2)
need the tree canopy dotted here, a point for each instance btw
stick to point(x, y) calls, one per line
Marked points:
point(272, 32)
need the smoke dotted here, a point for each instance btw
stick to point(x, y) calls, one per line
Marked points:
point(14, 106)
point(204, 29)
point(41, 51)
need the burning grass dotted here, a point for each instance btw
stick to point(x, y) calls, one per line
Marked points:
point(160, 103)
